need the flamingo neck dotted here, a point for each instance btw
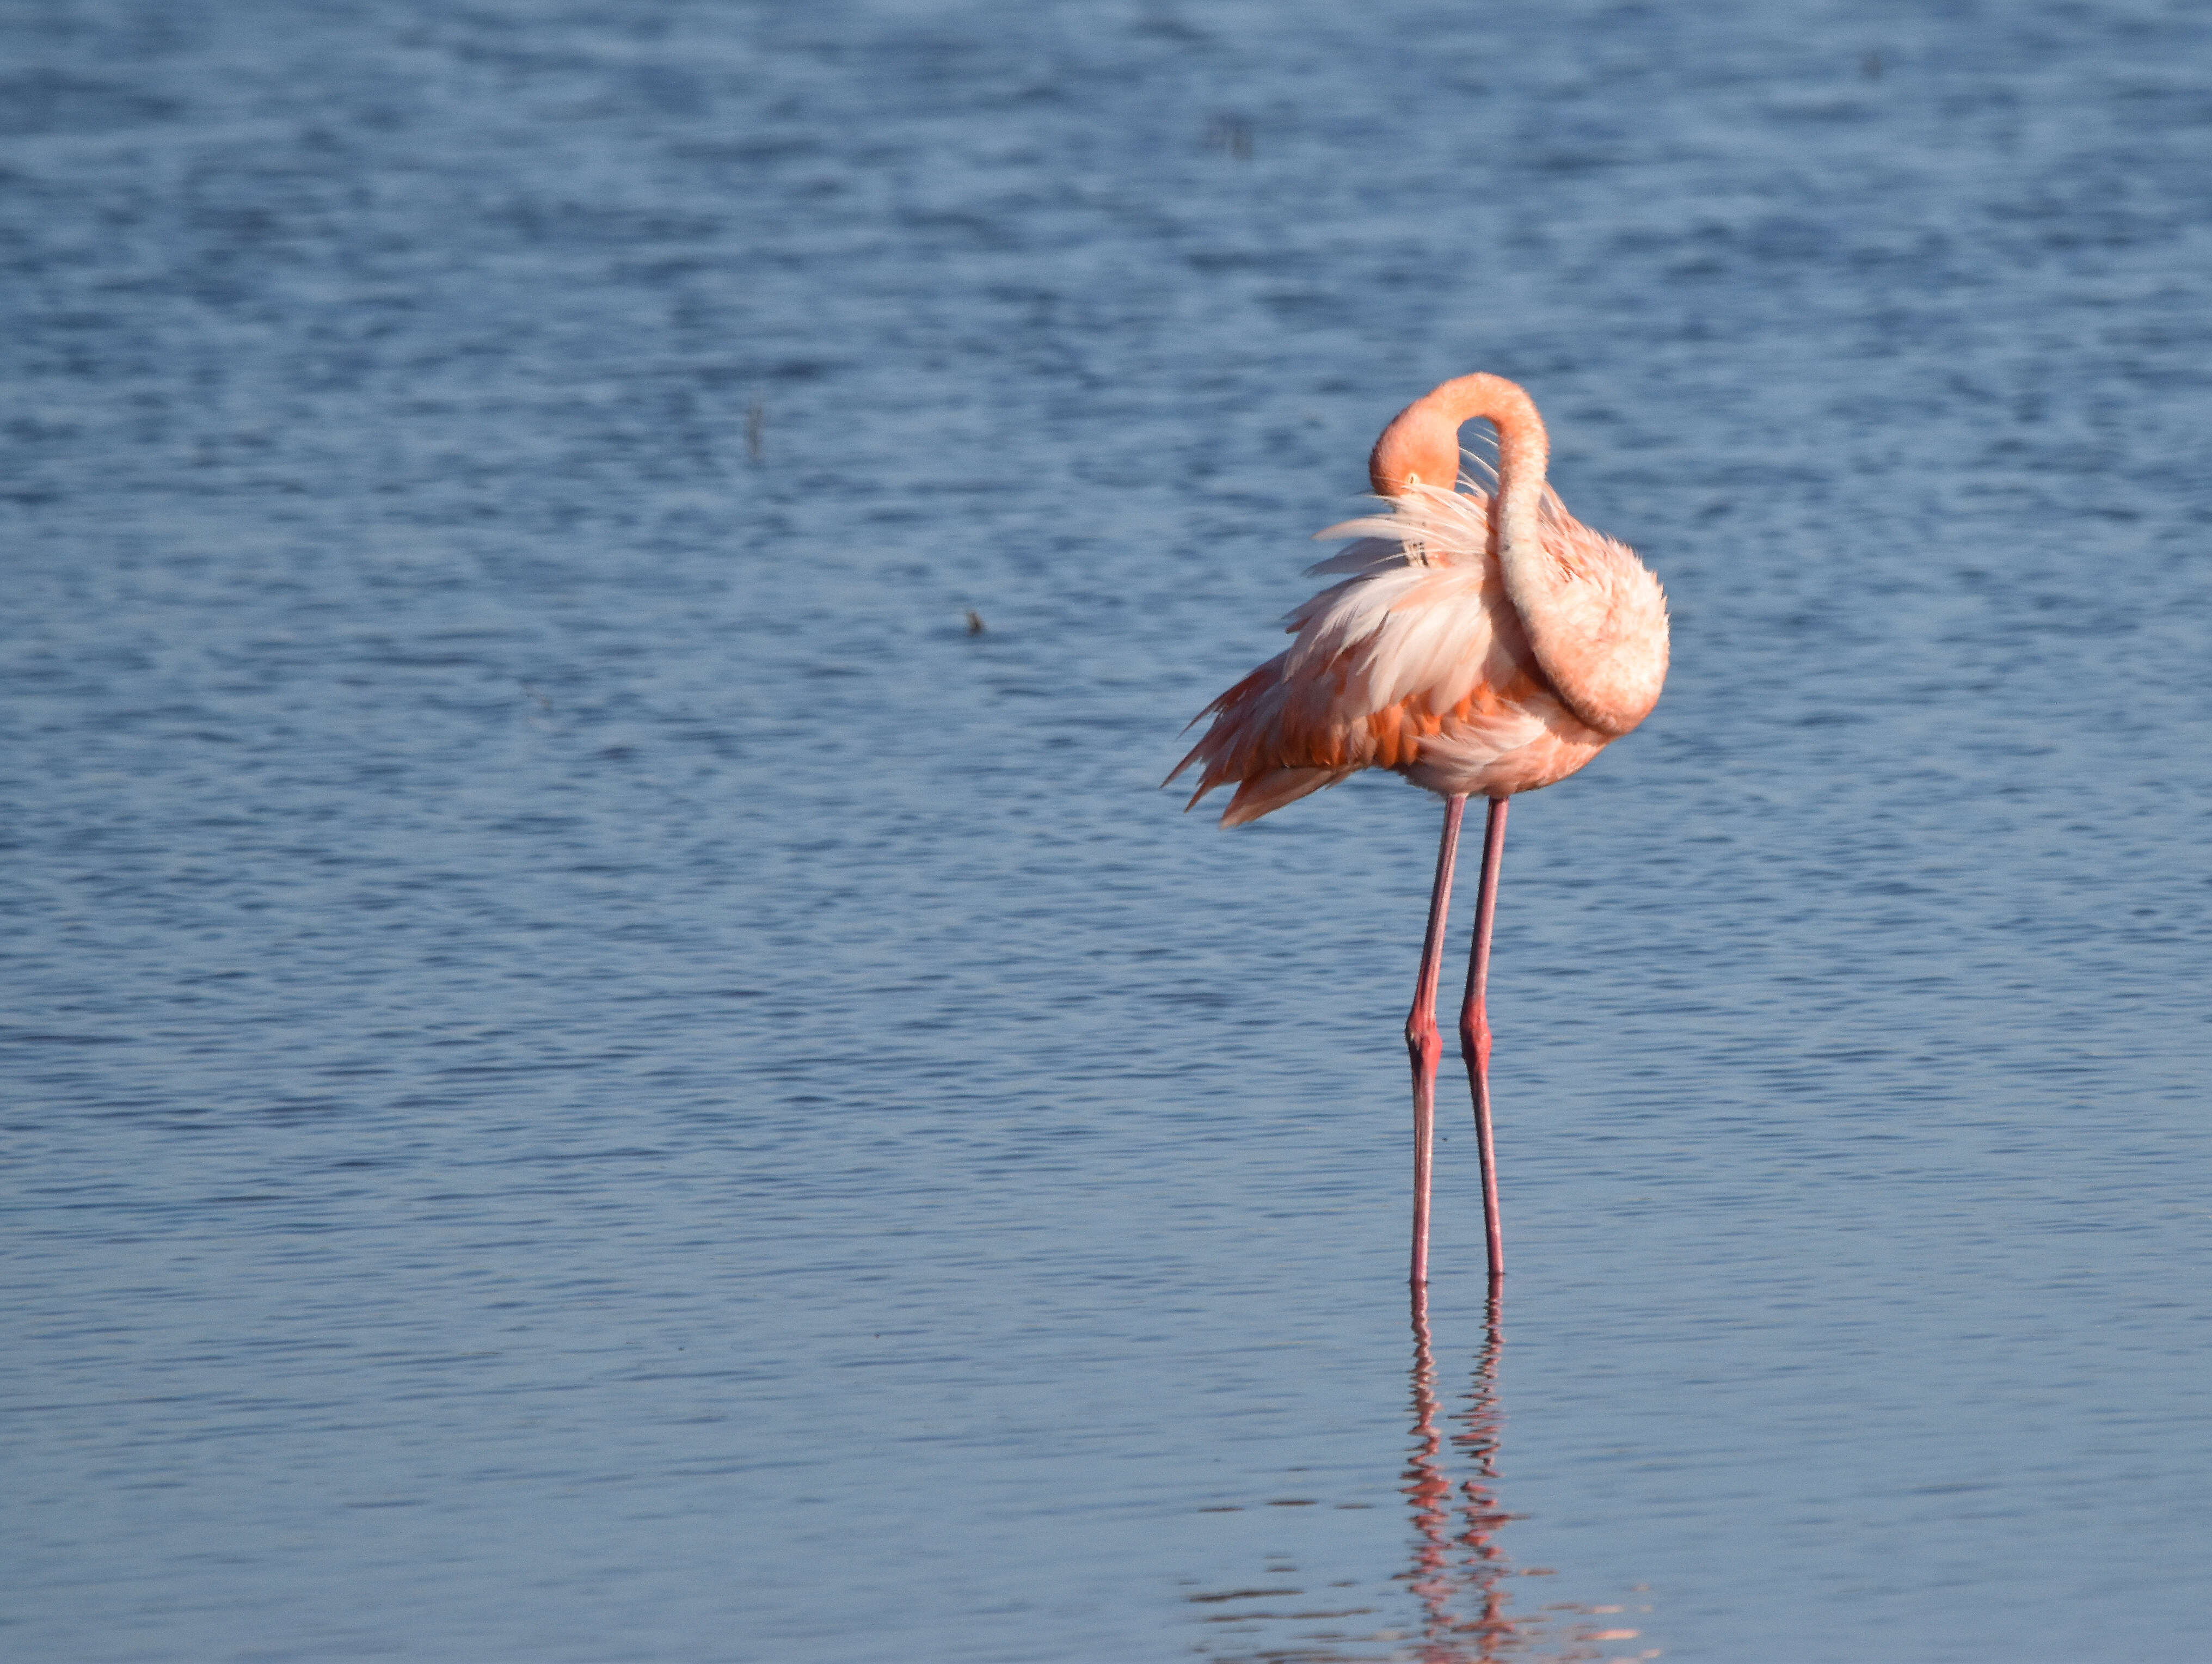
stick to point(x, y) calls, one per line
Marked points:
point(1421, 447)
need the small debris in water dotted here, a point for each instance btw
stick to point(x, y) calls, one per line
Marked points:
point(975, 622)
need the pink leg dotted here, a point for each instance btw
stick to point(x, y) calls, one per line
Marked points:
point(1474, 1028)
point(1421, 1039)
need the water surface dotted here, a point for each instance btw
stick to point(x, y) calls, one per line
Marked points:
point(590, 1075)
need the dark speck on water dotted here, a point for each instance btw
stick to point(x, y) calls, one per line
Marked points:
point(580, 1082)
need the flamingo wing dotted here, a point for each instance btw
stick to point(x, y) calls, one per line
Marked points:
point(1412, 656)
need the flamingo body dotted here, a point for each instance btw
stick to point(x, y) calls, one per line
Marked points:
point(1422, 662)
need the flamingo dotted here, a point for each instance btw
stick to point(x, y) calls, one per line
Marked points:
point(1483, 643)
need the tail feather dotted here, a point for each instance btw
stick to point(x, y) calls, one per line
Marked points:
point(1263, 794)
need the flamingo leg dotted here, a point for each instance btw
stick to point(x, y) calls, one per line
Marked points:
point(1474, 1028)
point(1421, 1039)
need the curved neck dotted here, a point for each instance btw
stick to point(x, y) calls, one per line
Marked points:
point(1421, 447)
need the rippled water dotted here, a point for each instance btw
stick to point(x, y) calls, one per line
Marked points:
point(590, 1075)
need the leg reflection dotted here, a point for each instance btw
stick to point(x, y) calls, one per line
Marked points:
point(1458, 1576)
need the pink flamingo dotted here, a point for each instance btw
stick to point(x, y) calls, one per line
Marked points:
point(1483, 643)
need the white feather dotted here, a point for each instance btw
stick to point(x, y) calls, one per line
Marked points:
point(1412, 620)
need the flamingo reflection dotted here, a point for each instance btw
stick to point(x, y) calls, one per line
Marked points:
point(1458, 1567)
point(1460, 1574)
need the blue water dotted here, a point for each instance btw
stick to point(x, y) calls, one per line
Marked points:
point(588, 1075)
